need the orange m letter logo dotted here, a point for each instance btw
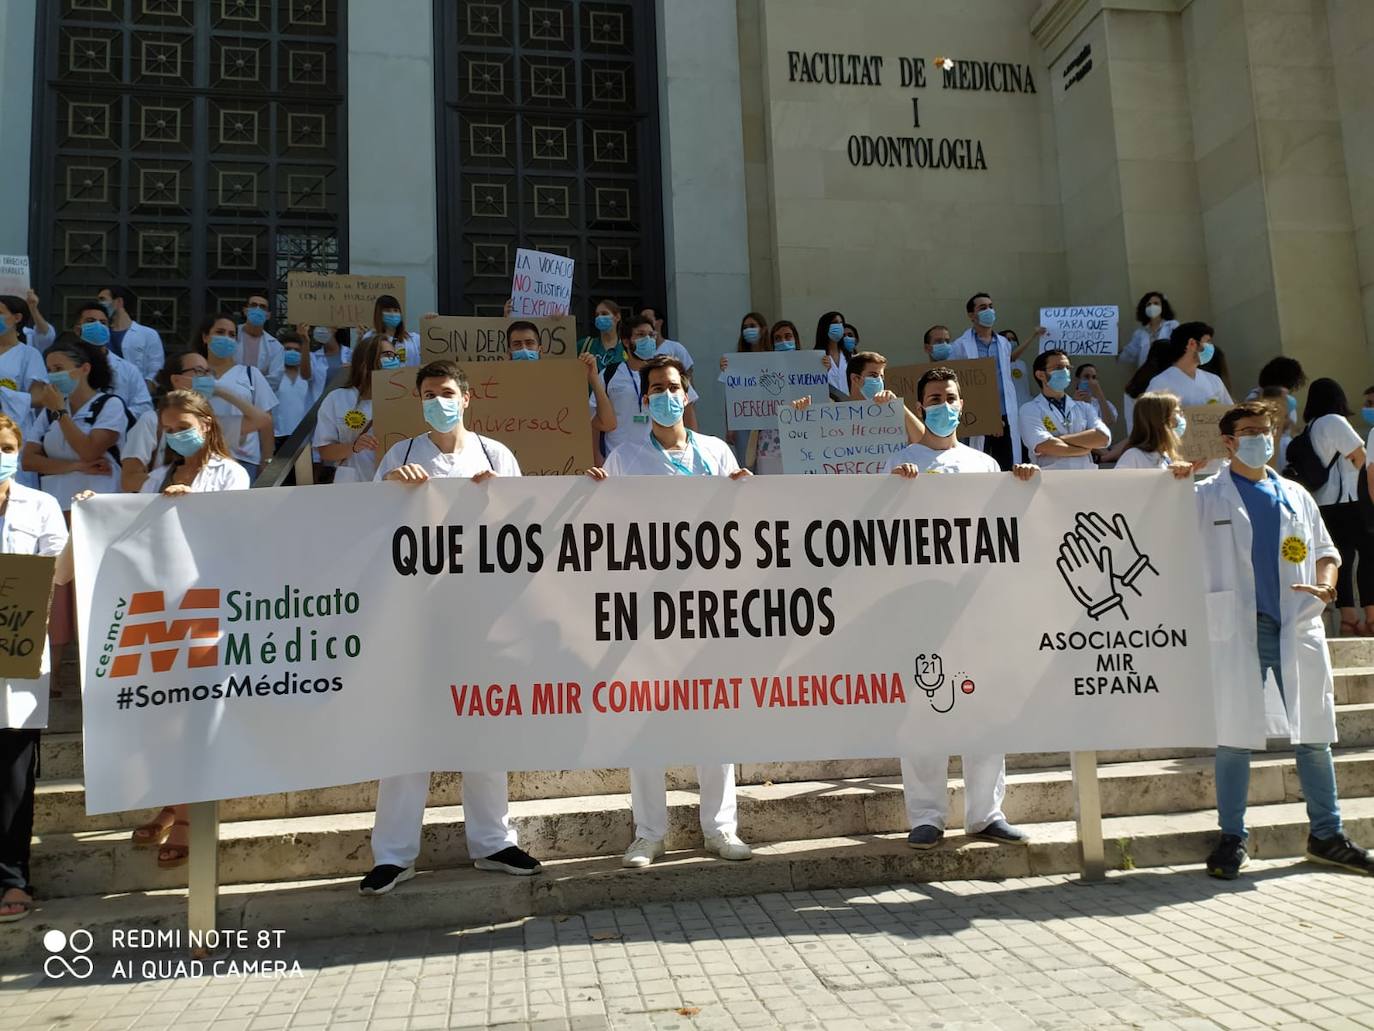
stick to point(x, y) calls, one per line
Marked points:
point(183, 628)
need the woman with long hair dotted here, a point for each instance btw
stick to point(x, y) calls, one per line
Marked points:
point(1154, 442)
point(604, 344)
point(240, 394)
point(753, 330)
point(343, 428)
point(388, 321)
point(830, 339)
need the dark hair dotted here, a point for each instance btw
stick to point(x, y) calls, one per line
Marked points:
point(83, 353)
point(290, 336)
point(782, 324)
point(18, 306)
point(758, 317)
point(1178, 339)
point(388, 301)
point(90, 306)
point(823, 330)
point(362, 364)
point(1166, 315)
point(859, 362)
point(1282, 372)
point(659, 314)
point(171, 366)
point(939, 374)
point(849, 327)
point(1043, 359)
point(1156, 361)
point(1245, 410)
point(634, 323)
point(1011, 335)
point(926, 339)
point(521, 325)
point(198, 342)
point(443, 369)
point(1324, 397)
point(968, 305)
point(122, 293)
point(1078, 372)
point(660, 361)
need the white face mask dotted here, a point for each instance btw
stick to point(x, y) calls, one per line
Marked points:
point(1153, 311)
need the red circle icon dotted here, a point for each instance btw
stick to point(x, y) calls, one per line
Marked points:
point(966, 686)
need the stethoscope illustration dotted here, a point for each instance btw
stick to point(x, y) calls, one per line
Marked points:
point(930, 678)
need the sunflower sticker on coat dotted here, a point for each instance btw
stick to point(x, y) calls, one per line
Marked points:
point(1293, 549)
point(9, 383)
point(1049, 424)
point(354, 419)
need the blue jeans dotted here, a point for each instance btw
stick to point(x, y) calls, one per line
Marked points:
point(1316, 773)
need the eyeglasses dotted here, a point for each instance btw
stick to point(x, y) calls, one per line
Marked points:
point(1253, 431)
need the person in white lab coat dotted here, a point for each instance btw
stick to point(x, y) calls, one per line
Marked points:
point(1270, 571)
point(302, 384)
point(1155, 316)
point(388, 321)
point(830, 339)
point(669, 448)
point(1059, 432)
point(30, 524)
point(257, 347)
point(137, 344)
point(981, 341)
point(924, 777)
point(126, 379)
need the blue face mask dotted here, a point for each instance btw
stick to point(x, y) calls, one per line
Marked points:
point(604, 323)
point(1207, 353)
point(1084, 385)
point(784, 345)
point(524, 356)
point(871, 387)
point(836, 332)
point(257, 316)
point(291, 359)
point(848, 343)
point(391, 319)
point(940, 352)
point(987, 318)
point(96, 333)
point(666, 409)
point(223, 346)
point(389, 361)
point(1255, 451)
point(1292, 406)
point(203, 385)
point(941, 419)
point(186, 442)
point(1059, 380)
point(646, 348)
point(1180, 424)
point(750, 334)
point(9, 465)
point(443, 413)
point(1368, 414)
point(63, 382)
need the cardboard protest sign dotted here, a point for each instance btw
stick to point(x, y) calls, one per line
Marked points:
point(758, 384)
point(25, 596)
point(847, 437)
point(542, 284)
point(1202, 439)
point(1090, 330)
point(464, 339)
point(326, 299)
point(537, 409)
point(14, 274)
point(977, 386)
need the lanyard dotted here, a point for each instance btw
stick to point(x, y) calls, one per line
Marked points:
point(1065, 418)
point(677, 463)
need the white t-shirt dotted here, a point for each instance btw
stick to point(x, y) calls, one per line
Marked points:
point(1042, 421)
point(341, 419)
point(244, 446)
point(40, 342)
point(958, 459)
point(32, 525)
point(20, 366)
point(1202, 389)
point(672, 347)
point(215, 475)
point(295, 395)
point(1134, 458)
point(141, 442)
point(1333, 438)
point(129, 384)
point(631, 416)
point(703, 456)
point(142, 346)
point(477, 455)
point(62, 486)
point(269, 359)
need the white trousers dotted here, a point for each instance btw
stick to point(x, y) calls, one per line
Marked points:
point(649, 800)
point(925, 781)
point(401, 816)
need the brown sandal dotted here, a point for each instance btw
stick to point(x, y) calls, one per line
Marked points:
point(25, 907)
point(155, 831)
point(171, 856)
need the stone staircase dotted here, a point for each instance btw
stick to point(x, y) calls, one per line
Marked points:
point(291, 861)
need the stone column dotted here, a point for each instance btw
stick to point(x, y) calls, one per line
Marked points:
point(18, 43)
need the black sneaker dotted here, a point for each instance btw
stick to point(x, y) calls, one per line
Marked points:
point(926, 836)
point(1228, 858)
point(381, 879)
point(511, 860)
point(1340, 851)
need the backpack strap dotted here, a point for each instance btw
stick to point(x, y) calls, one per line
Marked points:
point(97, 406)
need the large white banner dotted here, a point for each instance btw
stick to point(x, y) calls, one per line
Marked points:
point(560, 624)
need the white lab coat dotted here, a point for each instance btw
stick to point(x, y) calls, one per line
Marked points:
point(33, 525)
point(967, 347)
point(1246, 715)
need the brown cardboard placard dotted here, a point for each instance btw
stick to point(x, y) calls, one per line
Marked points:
point(25, 600)
point(537, 409)
point(1202, 439)
point(977, 386)
point(335, 300)
point(462, 338)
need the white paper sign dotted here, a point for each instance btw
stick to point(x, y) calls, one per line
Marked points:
point(542, 285)
point(848, 437)
point(14, 275)
point(1086, 331)
point(758, 384)
point(521, 624)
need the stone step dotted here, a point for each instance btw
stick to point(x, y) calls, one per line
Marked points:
point(256, 850)
point(1347, 652)
point(1355, 686)
point(460, 898)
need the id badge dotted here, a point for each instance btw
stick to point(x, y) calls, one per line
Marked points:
point(641, 420)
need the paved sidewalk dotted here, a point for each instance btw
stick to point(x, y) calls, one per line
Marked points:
point(1287, 946)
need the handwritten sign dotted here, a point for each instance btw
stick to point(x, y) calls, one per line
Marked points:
point(14, 274)
point(542, 284)
point(463, 339)
point(848, 437)
point(758, 385)
point(25, 597)
point(325, 299)
point(1089, 330)
point(1202, 439)
point(977, 386)
point(537, 409)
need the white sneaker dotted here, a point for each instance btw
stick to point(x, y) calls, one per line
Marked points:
point(641, 853)
point(727, 845)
